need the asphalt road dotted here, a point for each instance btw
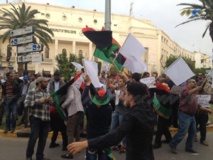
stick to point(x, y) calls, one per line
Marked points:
point(13, 148)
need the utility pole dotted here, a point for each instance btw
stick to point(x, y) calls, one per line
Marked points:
point(108, 14)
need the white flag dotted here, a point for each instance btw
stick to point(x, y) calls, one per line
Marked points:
point(132, 47)
point(134, 65)
point(77, 65)
point(179, 71)
point(91, 68)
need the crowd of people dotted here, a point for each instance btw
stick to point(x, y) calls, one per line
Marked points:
point(120, 115)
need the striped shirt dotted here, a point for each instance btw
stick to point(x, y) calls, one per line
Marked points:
point(9, 88)
point(37, 109)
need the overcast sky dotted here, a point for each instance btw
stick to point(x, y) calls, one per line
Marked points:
point(164, 14)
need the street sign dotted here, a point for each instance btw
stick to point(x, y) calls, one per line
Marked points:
point(30, 48)
point(21, 31)
point(37, 58)
point(24, 58)
point(21, 40)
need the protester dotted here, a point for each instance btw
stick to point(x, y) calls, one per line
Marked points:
point(38, 100)
point(56, 123)
point(120, 111)
point(21, 109)
point(137, 125)
point(74, 107)
point(11, 92)
point(187, 108)
point(146, 75)
point(98, 119)
point(201, 118)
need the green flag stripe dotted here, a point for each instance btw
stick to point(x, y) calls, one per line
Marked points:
point(161, 110)
point(57, 106)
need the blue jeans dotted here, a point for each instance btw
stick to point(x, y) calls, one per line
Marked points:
point(187, 123)
point(39, 129)
point(117, 118)
point(11, 108)
point(96, 155)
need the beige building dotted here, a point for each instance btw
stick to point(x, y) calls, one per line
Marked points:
point(66, 23)
point(202, 60)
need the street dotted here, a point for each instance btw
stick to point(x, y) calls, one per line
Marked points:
point(13, 148)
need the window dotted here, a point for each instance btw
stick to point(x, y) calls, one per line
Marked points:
point(80, 19)
point(64, 17)
point(47, 52)
point(64, 50)
point(80, 53)
point(95, 21)
point(48, 15)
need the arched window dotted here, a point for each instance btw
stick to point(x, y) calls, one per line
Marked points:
point(64, 50)
point(47, 52)
point(80, 53)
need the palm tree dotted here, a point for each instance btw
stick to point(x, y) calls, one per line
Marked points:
point(15, 18)
point(203, 11)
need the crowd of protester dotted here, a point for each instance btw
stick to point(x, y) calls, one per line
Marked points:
point(119, 116)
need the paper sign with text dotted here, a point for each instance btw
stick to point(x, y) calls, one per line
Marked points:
point(203, 100)
point(150, 82)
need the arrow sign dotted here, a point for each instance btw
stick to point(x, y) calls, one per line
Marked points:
point(37, 58)
point(21, 31)
point(21, 40)
point(24, 58)
point(30, 48)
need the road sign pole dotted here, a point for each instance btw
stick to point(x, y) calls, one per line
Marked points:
point(25, 69)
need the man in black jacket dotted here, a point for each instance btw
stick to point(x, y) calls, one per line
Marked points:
point(11, 92)
point(137, 126)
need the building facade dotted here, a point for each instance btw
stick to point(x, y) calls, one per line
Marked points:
point(66, 23)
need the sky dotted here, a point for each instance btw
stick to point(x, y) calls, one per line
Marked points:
point(164, 14)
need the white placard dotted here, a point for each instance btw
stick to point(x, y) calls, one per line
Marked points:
point(150, 82)
point(77, 65)
point(203, 100)
point(91, 68)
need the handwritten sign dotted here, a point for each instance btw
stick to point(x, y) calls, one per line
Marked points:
point(204, 100)
point(150, 82)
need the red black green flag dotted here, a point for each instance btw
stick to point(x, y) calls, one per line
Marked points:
point(106, 47)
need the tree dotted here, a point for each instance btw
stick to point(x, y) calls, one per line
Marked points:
point(23, 16)
point(172, 58)
point(203, 11)
point(66, 69)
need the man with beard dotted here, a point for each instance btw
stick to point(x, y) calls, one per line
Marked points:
point(38, 100)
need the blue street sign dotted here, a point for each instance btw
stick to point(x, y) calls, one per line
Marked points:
point(34, 47)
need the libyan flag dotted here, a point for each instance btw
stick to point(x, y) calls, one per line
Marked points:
point(160, 109)
point(60, 96)
point(106, 47)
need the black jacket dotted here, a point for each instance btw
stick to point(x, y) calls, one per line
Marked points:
point(16, 88)
point(138, 127)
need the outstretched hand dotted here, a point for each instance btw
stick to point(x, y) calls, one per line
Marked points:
point(76, 147)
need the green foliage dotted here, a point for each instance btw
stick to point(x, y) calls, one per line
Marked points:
point(65, 67)
point(171, 59)
point(206, 14)
point(201, 70)
point(190, 63)
point(22, 16)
